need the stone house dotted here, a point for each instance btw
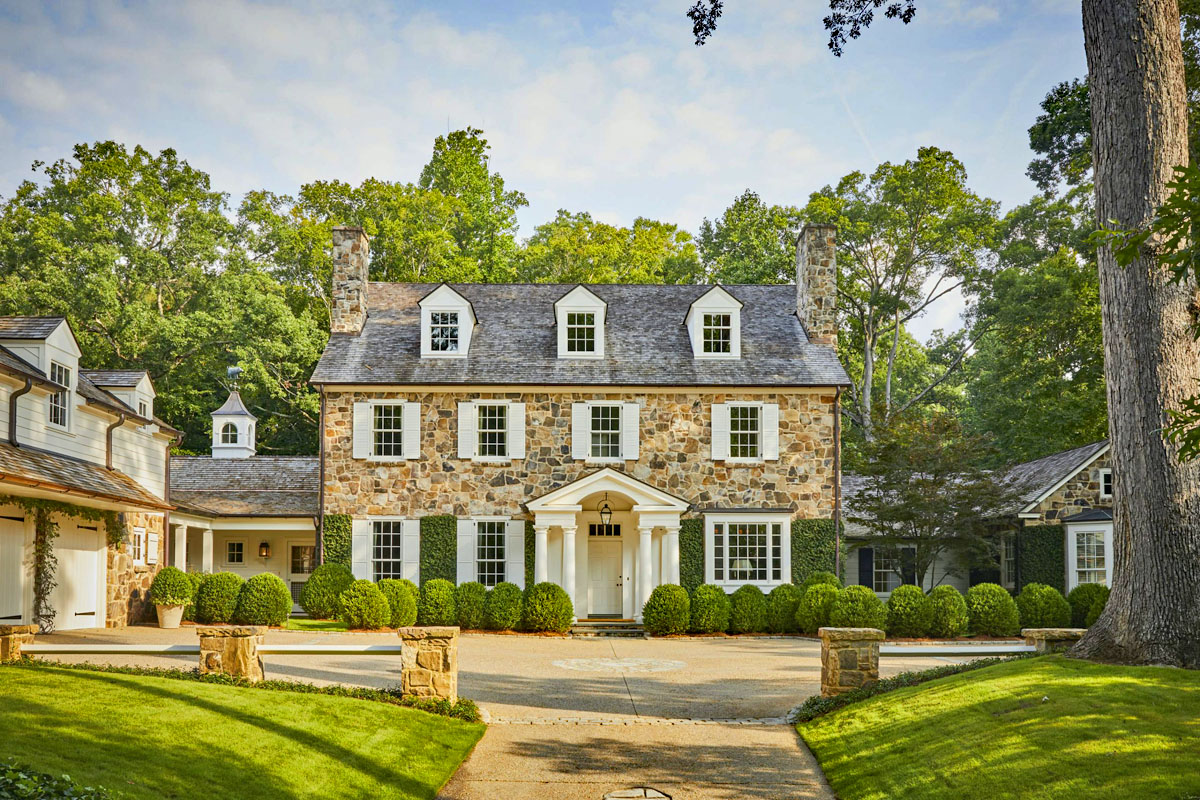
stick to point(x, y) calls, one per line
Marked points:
point(603, 416)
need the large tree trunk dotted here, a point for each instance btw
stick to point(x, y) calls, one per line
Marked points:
point(1152, 361)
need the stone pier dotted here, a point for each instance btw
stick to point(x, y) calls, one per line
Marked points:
point(13, 638)
point(849, 659)
point(429, 662)
point(1052, 640)
point(232, 650)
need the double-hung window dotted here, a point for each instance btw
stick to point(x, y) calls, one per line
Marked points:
point(718, 333)
point(606, 432)
point(387, 547)
point(489, 552)
point(492, 429)
point(1106, 484)
point(1090, 557)
point(443, 331)
point(387, 430)
point(235, 552)
point(751, 549)
point(745, 431)
point(60, 400)
point(581, 332)
point(887, 567)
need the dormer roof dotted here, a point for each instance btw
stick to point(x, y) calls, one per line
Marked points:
point(581, 296)
point(445, 294)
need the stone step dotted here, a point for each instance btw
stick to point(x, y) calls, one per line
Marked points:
point(608, 627)
point(627, 633)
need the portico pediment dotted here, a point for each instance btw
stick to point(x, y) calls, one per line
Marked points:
point(643, 496)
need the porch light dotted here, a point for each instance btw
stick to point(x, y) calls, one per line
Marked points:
point(605, 511)
point(264, 550)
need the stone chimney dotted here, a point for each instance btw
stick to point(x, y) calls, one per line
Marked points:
point(351, 255)
point(816, 283)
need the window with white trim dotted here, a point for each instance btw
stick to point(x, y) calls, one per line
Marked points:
point(1090, 557)
point(235, 552)
point(387, 430)
point(886, 565)
point(581, 332)
point(745, 431)
point(492, 430)
point(387, 544)
point(60, 414)
point(143, 409)
point(443, 331)
point(137, 545)
point(1106, 484)
point(748, 550)
point(718, 333)
point(229, 433)
point(489, 552)
point(606, 431)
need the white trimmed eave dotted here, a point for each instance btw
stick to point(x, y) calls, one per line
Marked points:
point(304, 524)
point(1028, 511)
point(644, 496)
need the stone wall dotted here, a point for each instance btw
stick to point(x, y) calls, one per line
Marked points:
point(128, 583)
point(1081, 493)
point(351, 254)
point(429, 662)
point(675, 456)
point(849, 659)
point(816, 283)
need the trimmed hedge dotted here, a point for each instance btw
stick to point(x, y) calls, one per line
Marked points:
point(748, 610)
point(691, 554)
point(781, 608)
point(907, 612)
point(948, 615)
point(820, 576)
point(436, 606)
point(263, 600)
point(709, 610)
point(548, 609)
point(363, 605)
point(812, 612)
point(857, 607)
point(1042, 606)
point(194, 578)
point(335, 540)
point(1097, 608)
point(401, 601)
point(469, 600)
point(667, 611)
point(503, 607)
point(172, 587)
point(216, 599)
point(1082, 598)
point(320, 593)
point(992, 610)
point(439, 551)
point(1040, 555)
point(814, 548)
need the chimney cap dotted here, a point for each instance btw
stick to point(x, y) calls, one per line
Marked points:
point(348, 228)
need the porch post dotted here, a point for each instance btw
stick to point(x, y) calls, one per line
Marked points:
point(206, 551)
point(670, 558)
point(179, 546)
point(644, 569)
point(568, 565)
point(541, 569)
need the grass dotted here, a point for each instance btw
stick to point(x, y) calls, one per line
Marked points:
point(145, 737)
point(306, 624)
point(1033, 728)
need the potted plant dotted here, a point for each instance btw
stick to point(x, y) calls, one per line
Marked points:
point(171, 592)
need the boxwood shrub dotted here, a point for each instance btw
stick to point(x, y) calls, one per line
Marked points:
point(547, 608)
point(992, 611)
point(748, 610)
point(948, 616)
point(171, 587)
point(320, 593)
point(1082, 598)
point(781, 608)
point(436, 606)
point(263, 600)
point(857, 607)
point(818, 578)
point(907, 612)
point(709, 610)
point(667, 611)
point(469, 600)
point(1042, 606)
point(1097, 607)
point(363, 605)
point(503, 608)
point(401, 601)
point(812, 612)
point(216, 599)
point(194, 578)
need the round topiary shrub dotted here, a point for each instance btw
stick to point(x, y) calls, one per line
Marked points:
point(171, 587)
point(1042, 606)
point(547, 608)
point(812, 612)
point(748, 610)
point(503, 607)
point(469, 600)
point(992, 611)
point(709, 610)
point(820, 577)
point(1081, 599)
point(363, 605)
point(216, 599)
point(1097, 607)
point(948, 616)
point(907, 612)
point(401, 601)
point(781, 608)
point(668, 611)
point(263, 600)
point(857, 607)
point(436, 606)
point(320, 593)
point(412, 588)
point(194, 578)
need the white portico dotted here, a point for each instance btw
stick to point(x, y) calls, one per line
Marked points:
point(608, 539)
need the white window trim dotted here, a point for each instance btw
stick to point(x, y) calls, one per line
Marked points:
point(504, 536)
point(409, 526)
point(1106, 471)
point(444, 299)
point(514, 435)
point(225, 558)
point(715, 301)
point(580, 300)
point(372, 455)
point(1073, 555)
point(364, 428)
point(620, 406)
point(762, 435)
point(784, 519)
point(68, 393)
point(138, 542)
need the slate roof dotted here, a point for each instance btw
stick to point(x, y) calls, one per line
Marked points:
point(28, 467)
point(28, 327)
point(516, 341)
point(13, 364)
point(1034, 478)
point(259, 486)
point(116, 378)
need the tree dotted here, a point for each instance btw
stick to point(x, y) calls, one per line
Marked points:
point(846, 18)
point(750, 242)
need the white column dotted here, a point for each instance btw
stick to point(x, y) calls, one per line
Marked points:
point(568, 564)
point(644, 569)
point(541, 568)
point(179, 547)
point(206, 551)
point(670, 556)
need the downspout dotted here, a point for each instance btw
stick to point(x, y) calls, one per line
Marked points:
point(108, 433)
point(12, 410)
point(837, 482)
point(174, 441)
point(320, 520)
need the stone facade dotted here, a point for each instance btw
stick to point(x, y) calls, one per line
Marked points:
point(675, 455)
point(351, 252)
point(816, 283)
point(1081, 493)
point(232, 650)
point(429, 662)
point(13, 638)
point(849, 659)
point(128, 589)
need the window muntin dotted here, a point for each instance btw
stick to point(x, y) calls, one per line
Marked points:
point(492, 431)
point(600, 529)
point(143, 409)
point(1106, 483)
point(229, 433)
point(303, 558)
point(443, 331)
point(717, 333)
point(1090, 561)
point(137, 546)
point(747, 552)
point(606, 432)
point(387, 430)
point(489, 552)
point(745, 431)
point(386, 549)
point(60, 400)
point(581, 332)
point(235, 552)
point(886, 566)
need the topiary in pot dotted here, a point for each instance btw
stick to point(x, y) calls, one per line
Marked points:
point(263, 600)
point(320, 593)
point(948, 616)
point(857, 607)
point(709, 610)
point(668, 611)
point(194, 578)
point(547, 608)
point(1081, 599)
point(781, 608)
point(1097, 607)
point(992, 610)
point(503, 608)
point(820, 577)
point(812, 612)
point(401, 601)
point(907, 612)
point(216, 599)
point(437, 603)
point(748, 610)
point(363, 605)
point(171, 591)
point(469, 600)
point(1042, 606)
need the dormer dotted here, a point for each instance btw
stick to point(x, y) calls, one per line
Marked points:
point(233, 429)
point(714, 324)
point(447, 322)
point(48, 344)
point(132, 387)
point(579, 316)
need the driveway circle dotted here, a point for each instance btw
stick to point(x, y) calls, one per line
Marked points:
point(619, 665)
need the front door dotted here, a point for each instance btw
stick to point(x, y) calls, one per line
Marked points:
point(604, 577)
point(301, 561)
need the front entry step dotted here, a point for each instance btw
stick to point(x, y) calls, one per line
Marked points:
point(608, 627)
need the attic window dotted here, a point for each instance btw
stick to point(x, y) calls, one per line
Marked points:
point(581, 332)
point(143, 410)
point(443, 332)
point(229, 434)
point(59, 401)
point(718, 333)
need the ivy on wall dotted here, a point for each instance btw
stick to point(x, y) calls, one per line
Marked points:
point(814, 548)
point(691, 553)
point(439, 548)
point(530, 545)
point(335, 539)
point(1040, 556)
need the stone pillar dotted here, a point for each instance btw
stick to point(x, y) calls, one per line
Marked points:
point(13, 638)
point(206, 551)
point(849, 659)
point(644, 569)
point(541, 567)
point(179, 546)
point(429, 662)
point(1052, 640)
point(351, 255)
point(232, 650)
point(568, 562)
point(670, 556)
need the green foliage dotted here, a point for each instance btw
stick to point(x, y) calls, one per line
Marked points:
point(668, 610)
point(814, 549)
point(335, 540)
point(469, 601)
point(18, 782)
point(691, 554)
point(1081, 599)
point(857, 607)
point(194, 579)
point(530, 551)
point(1062, 134)
point(263, 600)
point(812, 612)
point(504, 607)
point(172, 587)
point(1096, 609)
point(320, 593)
point(439, 551)
point(750, 242)
point(948, 615)
point(992, 610)
point(547, 608)
point(819, 577)
point(710, 609)
point(907, 612)
point(402, 601)
point(748, 610)
point(1041, 556)
point(436, 606)
point(216, 599)
point(363, 605)
point(781, 608)
point(1042, 606)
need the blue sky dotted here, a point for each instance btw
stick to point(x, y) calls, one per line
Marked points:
point(589, 106)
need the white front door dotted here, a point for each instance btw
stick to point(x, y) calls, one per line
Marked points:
point(12, 583)
point(604, 577)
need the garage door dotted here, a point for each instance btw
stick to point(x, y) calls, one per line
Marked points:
point(12, 537)
point(81, 565)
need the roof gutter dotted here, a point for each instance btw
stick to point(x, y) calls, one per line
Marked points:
point(12, 410)
point(108, 437)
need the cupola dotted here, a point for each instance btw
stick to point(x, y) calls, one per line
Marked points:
point(233, 429)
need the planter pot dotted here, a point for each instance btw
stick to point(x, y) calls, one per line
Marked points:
point(169, 616)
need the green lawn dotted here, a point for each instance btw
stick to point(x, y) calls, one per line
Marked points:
point(146, 737)
point(1035, 728)
point(306, 624)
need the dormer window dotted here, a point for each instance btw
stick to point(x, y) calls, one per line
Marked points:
point(60, 403)
point(229, 433)
point(143, 409)
point(581, 332)
point(447, 322)
point(718, 333)
point(443, 331)
point(714, 324)
point(579, 316)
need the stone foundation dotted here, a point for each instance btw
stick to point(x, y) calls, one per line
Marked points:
point(128, 591)
point(849, 659)
point(1052, 640)
point(13, 638)
point(232, 650)
point(429, 663)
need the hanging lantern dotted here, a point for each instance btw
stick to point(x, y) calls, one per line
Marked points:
point(605, 512)
point(264, 550)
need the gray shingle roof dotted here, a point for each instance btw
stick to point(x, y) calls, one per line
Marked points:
point(25, 466)
point(117, 378)
point(259, 486)
point(516, 341)
point(28, 327)
point(1035, 478)
point(13, 364)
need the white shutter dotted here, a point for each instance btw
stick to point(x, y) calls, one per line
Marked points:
point(466, 429)
point(720, 431)
point(581, 431)
point(466, 550)
point(151, 548)
point(362, 430)
point(360, 548)
point(410, 550)
point(412, 430)
point(770, 431)
point(514, 552)
point(516, 431)
point(630, 430)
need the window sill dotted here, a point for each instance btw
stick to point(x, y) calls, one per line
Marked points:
point(494, 459)
point(607, 460)
point(387, 459)
point(739, 584)
point(745, 460)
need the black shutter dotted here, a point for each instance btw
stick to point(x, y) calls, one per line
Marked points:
point(908, 567)
point(866, 566)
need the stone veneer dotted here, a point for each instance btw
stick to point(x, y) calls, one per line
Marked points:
point(128, 590)
point(348, 311)
point(429, 662)
point(816, 283)
point(849, 659)
point(1081, 493)
point(675, 455)
point(232, 650)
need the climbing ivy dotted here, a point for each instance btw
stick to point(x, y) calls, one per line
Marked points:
point(813, 548)
point(691, 553)
point(439, 548)
point(530, 544)
point(1040, 556)
point(335, 539)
